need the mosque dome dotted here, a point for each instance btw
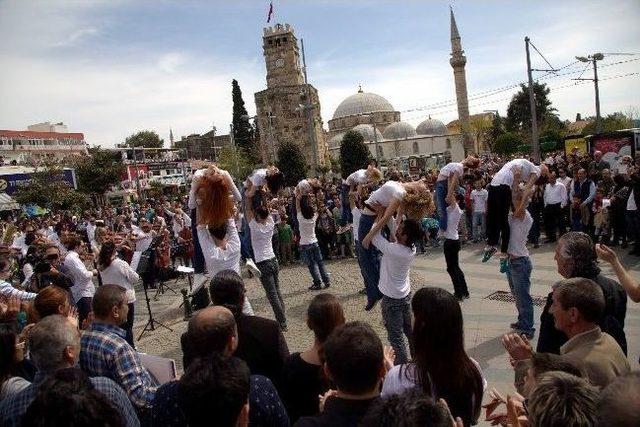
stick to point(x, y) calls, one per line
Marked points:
point(366, 131)
point(362, 103)
point(336, 140)
point(431, 127)
point(399, 130)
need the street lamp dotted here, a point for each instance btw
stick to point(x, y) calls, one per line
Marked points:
point(594, 59)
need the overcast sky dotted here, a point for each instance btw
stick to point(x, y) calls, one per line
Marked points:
point(110, 68)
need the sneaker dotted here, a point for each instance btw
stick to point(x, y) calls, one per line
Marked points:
point(326, 285)
point(314, 287)
point(283, 327)
point(252, 267)
point(488, 253)
point(370, 305)
point(504, 265)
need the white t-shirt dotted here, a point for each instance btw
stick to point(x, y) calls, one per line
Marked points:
point(261, 235)
point(631, 202)
point(144, 241)
point(479, 198)
point(384, 195)
point(192, 201)
point(519, 231)
point(258, 178)
point(304, 186)
point(307, 229)
point(394, 267)
point(356, 213)
point(216, 258)
point(449, 170)
point(358, 177)
point(505, 175)
point(121, 273)
point(454, 213)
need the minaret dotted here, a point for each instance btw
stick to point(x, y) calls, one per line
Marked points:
point(458, 61)
point(171, 137)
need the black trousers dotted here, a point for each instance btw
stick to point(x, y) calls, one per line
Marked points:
point(498, 205)
point(552, 220)
point(451, 251)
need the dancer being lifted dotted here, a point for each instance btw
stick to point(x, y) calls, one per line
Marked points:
point(448, 183)
point(506, 181)
point(412, 199)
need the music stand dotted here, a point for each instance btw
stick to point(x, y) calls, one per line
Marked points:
point(157, 240)
point(151, 323)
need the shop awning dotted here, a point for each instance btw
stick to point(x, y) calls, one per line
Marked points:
point(7, 203)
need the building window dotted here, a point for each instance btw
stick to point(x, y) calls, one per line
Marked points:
point(380, 152)
point(415, 147)
point(448, 141)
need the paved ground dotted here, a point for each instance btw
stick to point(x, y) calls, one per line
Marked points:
point(485, 320)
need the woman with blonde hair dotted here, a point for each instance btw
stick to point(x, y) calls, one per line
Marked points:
point(410, 199)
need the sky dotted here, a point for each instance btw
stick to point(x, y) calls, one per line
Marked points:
point(109, 68)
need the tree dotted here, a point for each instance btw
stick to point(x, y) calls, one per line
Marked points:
point(242, 130)
point(480, 127)
point(497, 129)
point(507, 143)
point(48, 189)
point(99, 171)
point(145, 139)
point(236, 161)
point(354, 154)
point(612, 122)
point(291, 162)
point(519, 109)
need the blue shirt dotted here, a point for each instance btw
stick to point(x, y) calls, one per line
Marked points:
point(104, 352)
point(13, 408)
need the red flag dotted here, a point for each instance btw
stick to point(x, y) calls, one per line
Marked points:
point(270, 12)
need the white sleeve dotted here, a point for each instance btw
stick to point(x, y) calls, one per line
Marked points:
point(128, 272)
point(205, 239)
point(234, 189)
point(233, 239)
point(381, 243)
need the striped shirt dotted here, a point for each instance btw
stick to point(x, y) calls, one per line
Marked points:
point(9, 291)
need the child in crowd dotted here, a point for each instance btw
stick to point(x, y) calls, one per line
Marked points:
point(285, 236)
point(601, 217)
point(479, 197)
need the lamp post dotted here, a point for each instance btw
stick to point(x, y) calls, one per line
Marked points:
point(594, 59)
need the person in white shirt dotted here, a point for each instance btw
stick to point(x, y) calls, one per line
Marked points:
point(581, 194)
point(448, 182)
point(269, 177)
point(115, 271)
point(262, 226)
point(519, 265)
point(395, 284)
point(143, 239)
point(6, 289)
point(555, 200)
point(308, 244)
point(83, 288)
point(499, 201)
point(370, 175)
point(452, 246)
point(479, 197)
point(412, 199)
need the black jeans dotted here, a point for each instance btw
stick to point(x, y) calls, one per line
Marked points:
point(269, 278)
point(451, 251)
point(498, 205)
point(552, 220)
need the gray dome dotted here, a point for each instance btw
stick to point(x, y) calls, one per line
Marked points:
point(367, 132)
point(399, 130)
point(362, 103)
point(431, 127)
point(336, 141)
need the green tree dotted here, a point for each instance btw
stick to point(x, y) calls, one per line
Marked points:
point(291, 162)
point(236, 161)
point(612, 122)
point(507, 143)
point(354, 154)
point(497, 129)
point(145, 139)
point(48, 189)
point(480, 126)
point(519, 109)
point(100, 170)
point(242, 130)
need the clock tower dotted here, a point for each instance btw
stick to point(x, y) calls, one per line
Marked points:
point(289, 109)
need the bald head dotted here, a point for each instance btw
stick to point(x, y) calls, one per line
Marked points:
point(211, 330)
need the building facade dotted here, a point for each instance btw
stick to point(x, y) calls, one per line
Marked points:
point(289, 109)
point(25, 146)
point(202, 147)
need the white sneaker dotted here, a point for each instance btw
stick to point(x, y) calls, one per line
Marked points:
point(253, 268)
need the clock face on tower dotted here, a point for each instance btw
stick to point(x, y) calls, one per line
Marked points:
point(279, 63)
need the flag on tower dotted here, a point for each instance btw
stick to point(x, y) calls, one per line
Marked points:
point(270, 12)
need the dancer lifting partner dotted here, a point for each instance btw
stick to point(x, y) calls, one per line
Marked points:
point(448, 183)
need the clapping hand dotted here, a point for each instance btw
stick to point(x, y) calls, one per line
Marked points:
point(455, 422)
point(322, 398)
point(518, 347)
point(605, 253)
point(389, 357)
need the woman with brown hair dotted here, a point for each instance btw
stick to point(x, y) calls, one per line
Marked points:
point(52, 300)
point(302, 376)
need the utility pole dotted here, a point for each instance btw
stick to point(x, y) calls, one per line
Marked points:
point(308, 107)
point(535, 143)
point(594, 60)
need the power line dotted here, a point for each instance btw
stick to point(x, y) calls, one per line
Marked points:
point(545, 59)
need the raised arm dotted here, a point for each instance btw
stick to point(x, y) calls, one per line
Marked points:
point(630, 285)
point(377, 226)
point(522, 206)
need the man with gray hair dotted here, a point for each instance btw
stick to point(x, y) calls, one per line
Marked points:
point(54, 344)
point(616, 407)
point(576, 257)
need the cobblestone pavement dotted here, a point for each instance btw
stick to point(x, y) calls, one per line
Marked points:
point(485, 320)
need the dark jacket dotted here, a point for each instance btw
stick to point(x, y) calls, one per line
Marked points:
point(339, 412)
point(612, 322)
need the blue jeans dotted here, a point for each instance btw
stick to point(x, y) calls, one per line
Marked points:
point(442, 188)
point(369, 260)
point(519, 277)
point(396, 314)
point(311, 255)
point(479, 224)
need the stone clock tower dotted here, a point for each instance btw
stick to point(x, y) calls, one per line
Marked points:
point(288, 109)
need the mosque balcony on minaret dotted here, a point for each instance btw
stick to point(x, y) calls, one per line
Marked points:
point(457, 61)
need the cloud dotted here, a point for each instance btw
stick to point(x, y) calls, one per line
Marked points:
point(76, 37)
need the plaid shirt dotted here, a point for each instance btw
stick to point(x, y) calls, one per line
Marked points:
point(14, 407)
point(105, 353)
